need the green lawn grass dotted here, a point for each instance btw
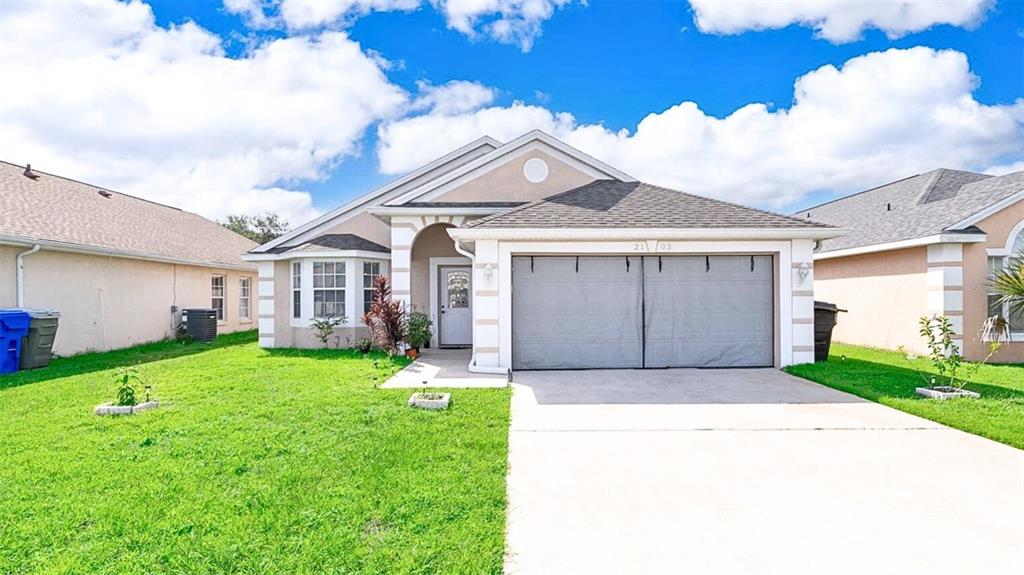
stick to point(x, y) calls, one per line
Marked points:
point(257, 461)
point(887, 378)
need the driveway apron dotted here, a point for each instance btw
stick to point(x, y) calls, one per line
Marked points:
point(748, 471)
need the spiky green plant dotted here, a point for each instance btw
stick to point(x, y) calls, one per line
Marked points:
point(1009, 284)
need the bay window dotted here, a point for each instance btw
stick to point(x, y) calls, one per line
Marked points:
point(328, 289)
point(370, 272)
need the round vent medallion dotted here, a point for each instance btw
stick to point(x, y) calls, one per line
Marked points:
point(535, 170)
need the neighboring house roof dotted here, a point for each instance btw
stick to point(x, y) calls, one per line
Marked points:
point(335, 242)
point(616, 204)
point(942, 201)
point(65, 214)
point(446, 163)
point(461, 204)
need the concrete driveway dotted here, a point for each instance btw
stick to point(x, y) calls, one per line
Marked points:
point(748, 471)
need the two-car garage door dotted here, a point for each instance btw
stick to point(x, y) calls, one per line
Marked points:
point(572, 312)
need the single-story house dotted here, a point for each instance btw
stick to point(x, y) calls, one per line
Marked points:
point(920, 246)
point(539, 256)
point(118, 268)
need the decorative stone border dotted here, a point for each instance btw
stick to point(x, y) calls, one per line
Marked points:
point(111, 409)
point(429, 400)
point(946, 392)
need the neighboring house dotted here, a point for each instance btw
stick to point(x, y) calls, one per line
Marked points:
point(539, 256)
point(118, 268)
point(920, 246)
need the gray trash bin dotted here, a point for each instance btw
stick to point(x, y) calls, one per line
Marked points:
point(825, 318)
point(37, 346)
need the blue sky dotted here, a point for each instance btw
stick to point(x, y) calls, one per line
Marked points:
point(612, 64)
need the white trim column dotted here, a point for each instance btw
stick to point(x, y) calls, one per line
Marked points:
point(265, 304)
point(490, 277)
point(946, 285)
point(802, 290)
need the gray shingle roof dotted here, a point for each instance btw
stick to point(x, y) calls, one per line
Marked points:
point(55, 209)
point(615, 204)
point(335, 242)
point(461, 204)
point(915, 207)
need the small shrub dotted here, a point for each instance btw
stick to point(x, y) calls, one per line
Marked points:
point(181, 334)
point(126, 378)
point(419, 330)
point(323, 327)
point(364, 345)
point(937, 330)
point(386, 318)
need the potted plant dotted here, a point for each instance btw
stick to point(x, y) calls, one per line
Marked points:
point(419, 330)
point(953, 370)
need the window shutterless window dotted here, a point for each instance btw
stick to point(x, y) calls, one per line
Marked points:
point(296, 289)
point(217, 296)
point(995, 307)
point(244, 298)
point(329, 289)
point(370, 272)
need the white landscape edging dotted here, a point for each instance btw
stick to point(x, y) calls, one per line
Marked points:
point(946, 392)
point(111, 409)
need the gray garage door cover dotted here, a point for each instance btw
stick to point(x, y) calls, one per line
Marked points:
point(654, 311)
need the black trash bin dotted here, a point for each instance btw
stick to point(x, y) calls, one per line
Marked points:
point(825, 317)
point(201, 323)
point(37, 346)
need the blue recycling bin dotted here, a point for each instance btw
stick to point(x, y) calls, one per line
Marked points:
point(13, 327)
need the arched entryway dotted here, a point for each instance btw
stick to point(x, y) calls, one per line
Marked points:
point(440, 285)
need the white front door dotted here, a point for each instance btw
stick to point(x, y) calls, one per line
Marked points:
point(456, 317)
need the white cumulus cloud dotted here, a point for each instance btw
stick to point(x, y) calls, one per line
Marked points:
point(454, 97)
point(97, 91)
point(837, 21)
point(877, 118)
point(515, 22)
point(506, 21)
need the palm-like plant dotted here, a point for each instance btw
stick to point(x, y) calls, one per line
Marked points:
point(1009, 284)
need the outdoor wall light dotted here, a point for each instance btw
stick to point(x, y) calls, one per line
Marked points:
point(804, 270)
point(488, 271)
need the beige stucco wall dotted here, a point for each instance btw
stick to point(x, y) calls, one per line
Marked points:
point(367, 226)
point(884, 294)
point(8, 275)
point(507, 183)
point(997, 228)
point(111, 303)
point(432, 242)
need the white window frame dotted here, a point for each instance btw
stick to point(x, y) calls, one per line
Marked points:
point(222, 312)
point(1006, 253)
point(296, 291)
point(353, 287)
point(245, 299)
point(343, 289)
point(368, 291)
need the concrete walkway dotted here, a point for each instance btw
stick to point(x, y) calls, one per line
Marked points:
point(748, 471)
point(443, 368)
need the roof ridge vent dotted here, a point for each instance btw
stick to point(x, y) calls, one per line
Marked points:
point(29, 173)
